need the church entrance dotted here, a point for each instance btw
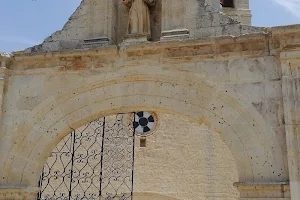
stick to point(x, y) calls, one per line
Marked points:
point(95, 161)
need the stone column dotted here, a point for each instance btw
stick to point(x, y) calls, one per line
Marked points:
point(290, 65)
point(173, 20)
point(101, 26)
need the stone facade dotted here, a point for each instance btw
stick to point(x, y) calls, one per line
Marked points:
point(226, 95)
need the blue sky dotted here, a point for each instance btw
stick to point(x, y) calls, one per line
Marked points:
point(25, 23)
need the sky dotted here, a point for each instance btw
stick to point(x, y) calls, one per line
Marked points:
point(24, 23)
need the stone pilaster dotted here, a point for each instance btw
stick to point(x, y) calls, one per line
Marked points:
point(4, 61)
point(101, 23)
point(173, 20)
point(291, 92)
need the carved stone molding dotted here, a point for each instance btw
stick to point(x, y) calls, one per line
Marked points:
point(175, 34)
point(278, 190)
point(95, 42)
point(20, 193)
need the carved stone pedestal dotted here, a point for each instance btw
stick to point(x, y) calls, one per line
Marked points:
point(21, 193)
point(175, 20)
point(96, 42)
point(176, 34)
point(135, 38)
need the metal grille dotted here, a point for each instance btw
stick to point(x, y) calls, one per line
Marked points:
point(93, 162)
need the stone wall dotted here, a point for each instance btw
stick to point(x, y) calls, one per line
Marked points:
point(96, 23)
point(181, 160)
point(232, 86)
point(185, 161)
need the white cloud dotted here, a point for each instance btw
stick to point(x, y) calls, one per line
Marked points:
point(292, 6)
point(18, 40)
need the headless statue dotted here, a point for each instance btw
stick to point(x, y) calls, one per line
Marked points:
point(139, 16)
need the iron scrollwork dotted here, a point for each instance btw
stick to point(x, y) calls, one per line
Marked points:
point(93, 162)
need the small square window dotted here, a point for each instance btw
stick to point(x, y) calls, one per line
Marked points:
point(227, 3)
point(142, 142)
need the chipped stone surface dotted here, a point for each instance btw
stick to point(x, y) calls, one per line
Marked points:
point(96, 24)
point(236, 99)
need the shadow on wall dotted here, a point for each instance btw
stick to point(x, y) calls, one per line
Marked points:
point(155, 17)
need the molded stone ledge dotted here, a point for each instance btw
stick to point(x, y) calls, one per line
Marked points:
point(280, 190)
point(95, 42)
point(134, 39)
point(18, 193)
point(175, 34)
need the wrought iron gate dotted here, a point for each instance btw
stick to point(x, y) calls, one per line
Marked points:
point(93, 162)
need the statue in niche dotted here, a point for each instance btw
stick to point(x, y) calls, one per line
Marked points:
point(139, 17)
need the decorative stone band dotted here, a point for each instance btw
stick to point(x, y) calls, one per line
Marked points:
point(18, 193)
point(277, 190)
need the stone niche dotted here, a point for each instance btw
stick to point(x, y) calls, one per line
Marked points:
point(155, 21)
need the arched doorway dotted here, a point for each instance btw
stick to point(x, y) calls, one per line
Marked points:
point(181, 160)
point(74, 103)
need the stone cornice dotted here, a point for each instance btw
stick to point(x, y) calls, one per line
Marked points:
point(272, 42)
point(170, 51)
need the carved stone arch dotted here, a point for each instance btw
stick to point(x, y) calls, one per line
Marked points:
point(166, 90)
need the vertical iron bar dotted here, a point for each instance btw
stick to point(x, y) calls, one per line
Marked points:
point(39, 196)
point(73, 152)
point(101, 159)
point(133, 145)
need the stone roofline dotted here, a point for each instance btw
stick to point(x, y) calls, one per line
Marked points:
point(272, 42)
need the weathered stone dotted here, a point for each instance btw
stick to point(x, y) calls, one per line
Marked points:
point(227, 102)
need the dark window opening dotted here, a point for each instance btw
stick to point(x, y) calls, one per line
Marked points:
point(143, 142)
point(227, 3)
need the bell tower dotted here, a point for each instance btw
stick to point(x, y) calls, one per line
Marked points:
point(238, 10)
